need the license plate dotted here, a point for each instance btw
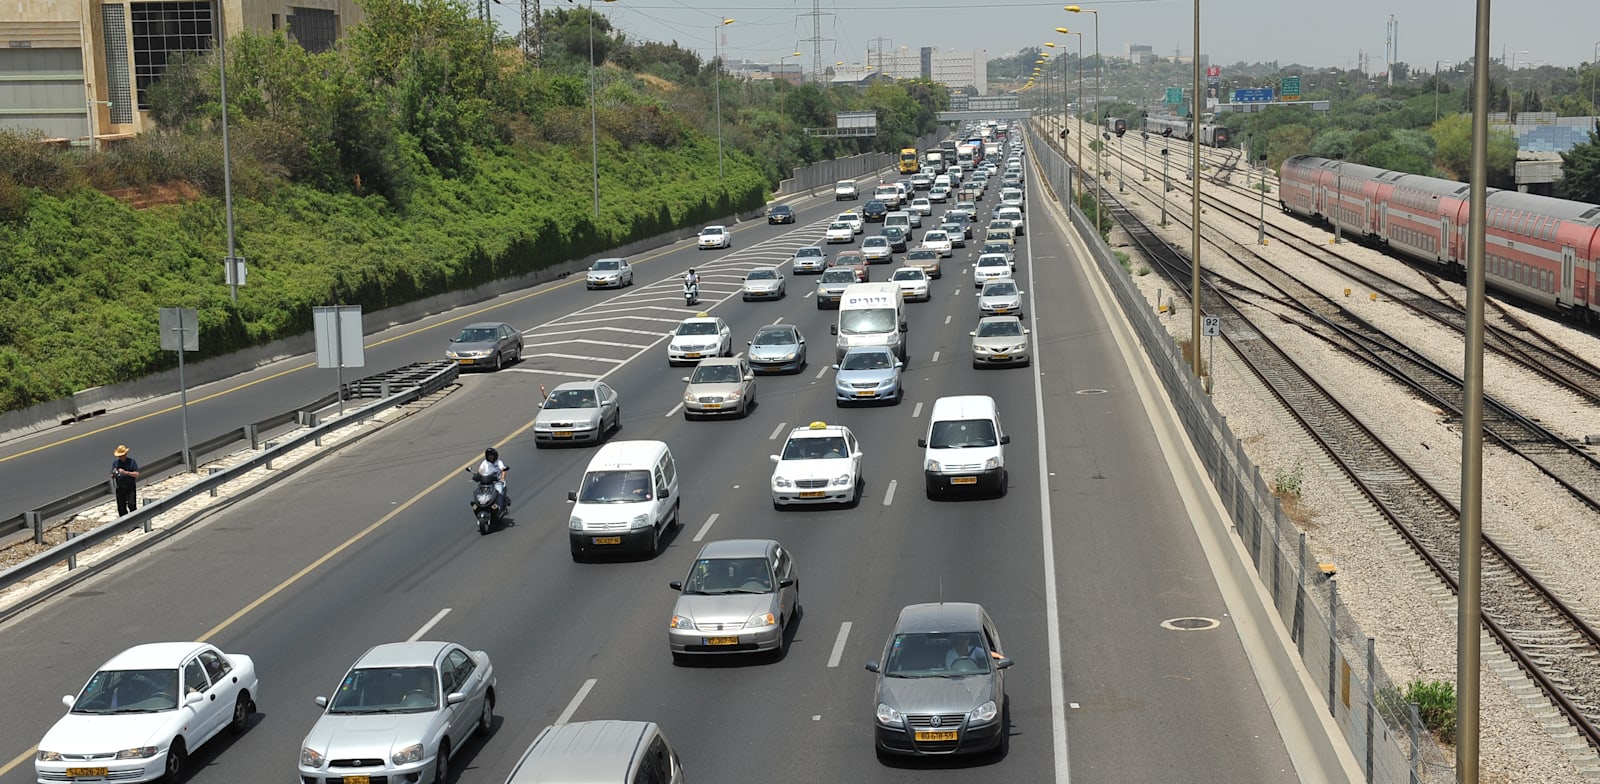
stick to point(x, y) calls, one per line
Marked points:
point(1001, 356)
point(710, 405)
point(722, 640)
point(944, 735)
point(813, 494)
point(563, 434)
point(1002, 310)
point(357, 780)
point(608, 540)
point(467, 361)
point(87, 773)
point(867, 393)
point(693, 355)
point(964, 480)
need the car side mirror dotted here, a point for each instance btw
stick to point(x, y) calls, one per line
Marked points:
point(802, 341)
point(774, 458)
point(67, 700)
point(872, 666)
point(1024, 330)
point(748, 343)
point(685, 379)
point(922, 442)
point(835, 367)
point(1005, 439)
point(749, 376)
point(1020, 293)
point(455, 698)
point(833, 329)
point(856, 455)
point(572, 495)
point(974, 333)
point(1004, 663)
point(787, 582)
point(322, 702)
point(902, 326)
point(194, 698)
point(898, 364)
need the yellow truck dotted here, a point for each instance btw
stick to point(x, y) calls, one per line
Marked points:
point(909, 163)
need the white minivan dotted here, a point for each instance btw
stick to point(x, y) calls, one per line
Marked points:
point(965, 448)
point(871, 314)
point(626, 501)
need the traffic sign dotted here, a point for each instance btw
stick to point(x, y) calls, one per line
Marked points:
point(1289, 85)
point(1253, 95)
point(1210, 326)
point(1213, 71)
point(1174, 96)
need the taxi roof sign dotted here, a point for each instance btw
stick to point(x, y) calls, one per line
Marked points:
point(702, 314)
point(819, 425)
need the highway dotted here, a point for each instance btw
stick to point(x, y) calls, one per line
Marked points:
point(376, 544)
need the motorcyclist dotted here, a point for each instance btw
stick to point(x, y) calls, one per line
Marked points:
point(493, 466)
point(691, 283)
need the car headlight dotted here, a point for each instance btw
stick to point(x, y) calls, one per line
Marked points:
point(575, 523)
point(984, 713)
point(409, 754)
point(788, 356)
point(450, 355)
point(842, 480)
point(311, 758)
point(760, 621)
point(49, 756)
point(931, 465)
point(889, 717)
point(142, 752)
point(688, 396)
point(991, 464)
point(640, 521)
point(681, 622)
point(735, 394)
point(779, 481)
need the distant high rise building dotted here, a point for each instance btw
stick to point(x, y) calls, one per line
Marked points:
point(1139, 54)
point(952, 68)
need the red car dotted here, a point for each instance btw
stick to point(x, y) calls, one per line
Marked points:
point(854, 260)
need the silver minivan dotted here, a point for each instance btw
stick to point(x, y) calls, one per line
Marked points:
point(599, 752)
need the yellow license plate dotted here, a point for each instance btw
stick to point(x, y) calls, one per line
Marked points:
point(693, 355)
point(964, 480)
point(357, 780)
point(1002, 356)
point(722, 641)
point(710, 405)
point(608, 540)
point(1002, 310)
point(867, 393)
point(563, 434)
point(945, 735)
point(813, 494)
point(87, 773)
point(467, 361)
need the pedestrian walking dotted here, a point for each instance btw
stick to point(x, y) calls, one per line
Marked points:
point(125, 472)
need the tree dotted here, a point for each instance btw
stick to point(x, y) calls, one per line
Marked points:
point(1452, 138)
point(1404, 150)
point(1580, 170)
point(1286, 141)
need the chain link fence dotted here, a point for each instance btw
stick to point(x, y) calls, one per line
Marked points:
point(1382, 729)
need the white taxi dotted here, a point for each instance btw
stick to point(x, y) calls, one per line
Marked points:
point(858, 222)
point(938, 241)
point(699, 337)
point(820, 464)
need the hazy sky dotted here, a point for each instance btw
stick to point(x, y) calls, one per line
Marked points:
point(1557, 32)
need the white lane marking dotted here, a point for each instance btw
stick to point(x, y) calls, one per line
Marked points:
point(578, 356)
point(589, 341)
point(675, 409)
point(552, 372)
point(777, 430)
point(956, 293)
point(809, 293)
point(823, 371)
point(947, 319)
point(607, 329)
point(612, 318)
point(917, 411)
point(935, 356)
point(701, 534)
point(439, 616)
point(888, 495)
point(838, 644)
point(777, 321)
point(577, 699)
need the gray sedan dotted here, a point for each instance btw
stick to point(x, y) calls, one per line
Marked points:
point(868, 374)
point(486, 344)
point(778, 348)
point(577, 411)
point(609, 273)
point(763, 283)
point(400, 713)
point(941, 683)
point(739, 597)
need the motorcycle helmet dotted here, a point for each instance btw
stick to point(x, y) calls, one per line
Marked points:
point(491, 454)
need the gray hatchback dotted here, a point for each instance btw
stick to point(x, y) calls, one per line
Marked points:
point(941, 683)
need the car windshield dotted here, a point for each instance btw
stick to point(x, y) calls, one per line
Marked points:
point(815, 448)
point(129, 691)
point(761, 274)
point(715, 374)
point(936, 236)
point(572, 398)
point(839, 276)
point(607, 265)
point(866, 360)
point(807, 252)
point(1000, 289)
point(962, 434)
point(774, 337)
point(713, 576)
point(921, 255)
point(867, 322)
point(911, 273)
point(893, 232)
point(615, 487)
point(874, 242)
point(476, 335)
point(387, 690)
point(999, 329)
point(937, 655)
point(996, 247)
point(697, 328)
point(992, 261)
point(710, 231)
point(839, 226)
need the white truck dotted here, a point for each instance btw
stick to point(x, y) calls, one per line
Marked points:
point(934, 159)
point(845, 189)
point(871, 314)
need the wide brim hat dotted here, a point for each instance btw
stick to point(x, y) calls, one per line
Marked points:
point(120, 451)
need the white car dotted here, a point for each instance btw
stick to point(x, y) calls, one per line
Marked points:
point(939, 193)
point(763, 283)
point(699, 337)
point(858, 222)
point(820, 464)
point(922, 206)
point(876, 249)
point(1000, 297)
point(990, 266)
point(839, 231)
point(609, 273)
point(145, 711)
point(1012, 197)
point(913, 283)
point(1013, 214)
point(938, 241)
point(715, 237)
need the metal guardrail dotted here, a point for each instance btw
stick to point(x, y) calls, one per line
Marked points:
point(443, 373)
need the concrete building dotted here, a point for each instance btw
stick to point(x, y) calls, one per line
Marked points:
point(78, 70)
point(1139, 54)
point(949, 67)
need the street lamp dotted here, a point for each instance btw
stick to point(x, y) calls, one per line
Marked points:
point(1144, 155)
point(1514, 58)
point(716, 73)
point(780, 62)
point(1098, 80)
point(1436, 64)
point(1065, 31)
point(234, 269)
point(594, 123)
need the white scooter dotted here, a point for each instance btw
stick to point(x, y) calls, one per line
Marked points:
point(691, 293)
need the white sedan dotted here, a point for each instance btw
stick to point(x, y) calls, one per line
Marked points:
point(858, 223)
point(913, 283)
point(990, 266)
point(938, 241)
point(145, 711)
point(820, 464)
point(839, 231)
point(715, 237)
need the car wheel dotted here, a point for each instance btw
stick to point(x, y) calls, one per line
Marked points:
point(241, 714)
point(499, 361)
point(1005, 484)
point(177, 756)
point(516, 356)
point(441, 765)
point(486, 721)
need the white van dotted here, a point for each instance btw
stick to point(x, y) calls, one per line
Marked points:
point(626, 501)
point(871, 314)
point(599, 752)
point(965, 447)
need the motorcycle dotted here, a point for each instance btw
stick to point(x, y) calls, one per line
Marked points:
point(487, 503)
point(691, 293)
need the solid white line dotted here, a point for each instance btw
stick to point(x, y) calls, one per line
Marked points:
point(429, 625)
point(838, 644)
point(823, 371)
point(589, 341)
point(577, 699)
point(578, 356)
point(809, 293)
point(701, 534)
point(888, 495)
point(777, 321)
point(917, 411)
point(947, 319)
point(935, 356)
point(675, 409)
point(777, 430)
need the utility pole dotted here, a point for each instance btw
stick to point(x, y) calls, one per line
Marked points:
point(879, 41)
point(816, 39)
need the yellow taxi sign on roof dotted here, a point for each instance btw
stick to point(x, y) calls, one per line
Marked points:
point(819, 425)
point(702, 314)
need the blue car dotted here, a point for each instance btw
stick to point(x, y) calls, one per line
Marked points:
point(868, 374)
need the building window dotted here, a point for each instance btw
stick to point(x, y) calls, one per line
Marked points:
point(119, 88)
point(274, 21)
point(314, 28)
point(164, 32)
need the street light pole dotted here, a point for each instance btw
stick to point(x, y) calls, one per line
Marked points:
point(716, 73)
point(1144, 154)
point(1261, 228)
point(1594, 76)
point(1338, 197)
point(1436, 64)
point(1165, 185)
point(1099, 164)
point(781, 58)
point(1079, 162)
point(234, 273)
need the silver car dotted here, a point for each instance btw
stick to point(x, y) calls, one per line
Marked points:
point(913, 282)
point(763, 283)
point(778, 348)
point(400, 713)
point(609, 274)
point(876, 250)
point(718, 386)
point(868, 374)
point(739, 597)
point(811, 258)
point(1000, 298)
point(577, 411)
point(1000, 340)
point(485, 345)
point(941, 683)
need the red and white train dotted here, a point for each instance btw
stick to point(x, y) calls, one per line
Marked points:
point(1540, 249)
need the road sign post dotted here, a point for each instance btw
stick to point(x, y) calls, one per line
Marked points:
point(180, 332)
point(1289, 88)
point(338, 330)
point(1210, 327)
